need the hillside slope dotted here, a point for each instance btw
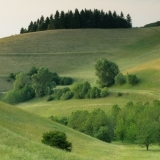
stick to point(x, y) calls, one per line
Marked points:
point(21, 135)
point(74, 52)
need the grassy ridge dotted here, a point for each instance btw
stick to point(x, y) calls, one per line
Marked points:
point(74, 52)
point(21, 135)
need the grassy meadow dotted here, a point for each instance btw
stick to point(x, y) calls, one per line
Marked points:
point(74, 53)
point(21, 134)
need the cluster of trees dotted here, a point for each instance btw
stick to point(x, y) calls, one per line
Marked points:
point(108, 74)
point(138, 123)
point(37, 82)
point(40, 82)
point(79, 90)
point(155, 24)
point(80, 19)
point(96, 124)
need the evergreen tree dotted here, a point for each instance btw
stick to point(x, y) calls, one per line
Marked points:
point(97, 19)
point(35, 27)
point(76, 19)
point(83, 19)
point(129, 21)
point(51, 23)
point(30, 27)
point(110, 20)
point(46, 23)
point(57, 20)
point(23, 30)
point(62, 20)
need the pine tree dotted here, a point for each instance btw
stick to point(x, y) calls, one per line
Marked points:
point(56, 20)
point(62, 20)
point(76, 19)
point(129, 21)
point(30, 27)
point(110, 20)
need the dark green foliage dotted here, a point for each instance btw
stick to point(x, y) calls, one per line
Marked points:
point(12, 76)
point(55, 77)
point(78, 119)
point(23, 30)
point(83, 19)
point(132, 79)
point(62, 120)
point(63, 94)
point(129, 21)
point(66, 81)
point(120, 79)
point(106, 72)
point(94, 93)
point(96, 124)
point(57, 139)
point(22, 90)
point(115, 110)
point(104, 134)
point(81, 90)
point(119, 94)
point(50, 98)
point(120, 130)
point(67, 95)
point(137, 123)
point(155, 24)
point(32, 71)
point(42, 82)
point(104, 92)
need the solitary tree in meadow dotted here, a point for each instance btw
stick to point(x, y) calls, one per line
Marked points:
point(106, 72)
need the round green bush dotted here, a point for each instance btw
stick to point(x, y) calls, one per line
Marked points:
point(57, 139)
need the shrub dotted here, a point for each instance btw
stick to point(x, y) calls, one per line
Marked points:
point(32, 71)
point(67, 95)
point(104, 92)
point(94, 92)
point(62, 120)
point(12, 75)
point(81, 89)
point(59, 92)
point(132, 79)
point(55, 78)
point(104, 134)
point(22, 95)
point(119, 94)
point(57, 139)
point(120, 79)
point(66, 81)
point(50, 98)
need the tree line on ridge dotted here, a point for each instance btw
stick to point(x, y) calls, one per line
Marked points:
point(80, 19)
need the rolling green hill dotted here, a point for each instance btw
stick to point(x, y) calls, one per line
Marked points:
point(74, 52)
point(21, 134)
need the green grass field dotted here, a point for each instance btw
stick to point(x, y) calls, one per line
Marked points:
point(21, 134)
point(74, 53)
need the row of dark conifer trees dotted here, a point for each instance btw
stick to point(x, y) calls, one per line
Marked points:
point(83, 19)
